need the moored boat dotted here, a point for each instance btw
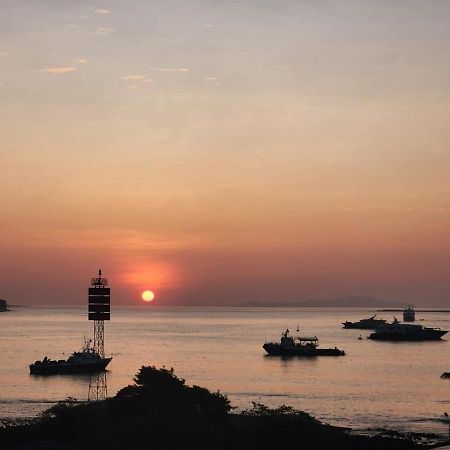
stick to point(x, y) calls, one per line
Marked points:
point(397, 331)
point(365, 324)
point(299, 346)
point(83, 361)
point(409, 314)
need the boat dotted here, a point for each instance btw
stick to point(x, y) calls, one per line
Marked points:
point(397, 331)
point(299, 346)
point(365, 324)
point(409, 315)
point(87, 360)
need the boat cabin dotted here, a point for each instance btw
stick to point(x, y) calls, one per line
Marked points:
point(298, 341)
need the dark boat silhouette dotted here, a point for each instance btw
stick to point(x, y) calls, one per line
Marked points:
point(365, 324)
point(299, 346)
point(409, 314)
point(397, 331)
point(84, 361)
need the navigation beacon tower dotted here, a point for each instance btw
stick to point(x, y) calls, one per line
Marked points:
point(99, 310)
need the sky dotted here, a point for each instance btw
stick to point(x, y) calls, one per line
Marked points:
point(219, 152)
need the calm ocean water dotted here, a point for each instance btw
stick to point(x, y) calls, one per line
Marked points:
point(376, 385)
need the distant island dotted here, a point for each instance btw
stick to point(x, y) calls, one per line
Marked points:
point(340, 302)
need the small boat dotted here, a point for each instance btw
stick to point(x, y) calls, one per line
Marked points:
point(365, 324)
point(87, 360)
point(409, 314)
point(397, 331)
point(299, 346)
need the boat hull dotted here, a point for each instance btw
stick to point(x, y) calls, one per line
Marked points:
point(428, 335)
point(66, 368)
point(360, 326)
point(278, 350)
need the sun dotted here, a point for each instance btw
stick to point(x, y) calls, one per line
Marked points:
point(148, 296)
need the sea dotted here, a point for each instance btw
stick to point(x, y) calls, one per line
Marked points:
point(377, 385)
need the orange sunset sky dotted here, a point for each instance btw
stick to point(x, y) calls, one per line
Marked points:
point(219, 152)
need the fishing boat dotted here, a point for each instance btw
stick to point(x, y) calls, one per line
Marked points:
point(299, 346)
point(87, 360)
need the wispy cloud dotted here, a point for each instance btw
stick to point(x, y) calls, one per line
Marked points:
point(80, 61)
point(170, 69)
point(394, 208)
point(377, 208)
point(137, 81)
point(133, 77)
point(209, 79)
point(101, 11)
point(102, 31)
point(2, 54)
point(60, 70)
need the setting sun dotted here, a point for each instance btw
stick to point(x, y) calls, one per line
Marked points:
point(148, 296)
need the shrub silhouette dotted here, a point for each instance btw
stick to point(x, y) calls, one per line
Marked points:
point(161, 392)
point(159, 411)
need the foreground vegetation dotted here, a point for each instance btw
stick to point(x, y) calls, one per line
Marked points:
point(159, 411)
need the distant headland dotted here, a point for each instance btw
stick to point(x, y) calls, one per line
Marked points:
point(340, 302)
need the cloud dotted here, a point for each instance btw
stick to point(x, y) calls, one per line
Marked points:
point(60, 70)
point(101, 11)
point(137, 80)
point(2, 54)
point(210, 78)
point(394, 208)
point(133, 77)
point(80, 61)
point(169, 69)
point(379, 208)
point(102, 31)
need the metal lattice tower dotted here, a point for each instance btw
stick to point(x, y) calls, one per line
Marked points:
point(98, 389)
point(99, 337)
point(99, 311)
